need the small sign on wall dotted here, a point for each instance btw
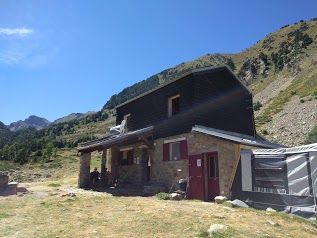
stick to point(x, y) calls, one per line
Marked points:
point(137, 160)
point(199, 163)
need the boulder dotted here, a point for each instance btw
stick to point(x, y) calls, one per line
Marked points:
point(239, 203)
point(215, 228)
point(176, 196)
point(220, 199)
point(269, 209)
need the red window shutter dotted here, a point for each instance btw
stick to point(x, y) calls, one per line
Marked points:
point(120, 157)
point(130, 157)
point(183, 147)
point(166, 152)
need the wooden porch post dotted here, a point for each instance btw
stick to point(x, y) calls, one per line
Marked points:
point(84, 173)
point(103, 179)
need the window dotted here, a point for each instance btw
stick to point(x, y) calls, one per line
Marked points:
point(173, 105)
point(175, 150)
point(270, 175)
point(127, 121)
point(213, 167)
point(125, 157)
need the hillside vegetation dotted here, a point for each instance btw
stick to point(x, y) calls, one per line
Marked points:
point(280, 70)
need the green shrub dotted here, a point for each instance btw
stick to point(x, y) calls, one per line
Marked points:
point(265, 132)
point(312, 136)
point(257, 106)
point(163, 196)
point(54, 185)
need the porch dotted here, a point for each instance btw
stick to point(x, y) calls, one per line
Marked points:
point(125, 161)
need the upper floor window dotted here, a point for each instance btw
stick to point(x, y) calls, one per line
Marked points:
point(127, 121)
point(173, 105)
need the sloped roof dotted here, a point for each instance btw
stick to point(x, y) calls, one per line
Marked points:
point(235, 137)
point(106, 142)
point(209, 69)
point(291, 150)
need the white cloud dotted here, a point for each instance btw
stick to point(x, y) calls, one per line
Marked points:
point(15, 31)
point(13, 57)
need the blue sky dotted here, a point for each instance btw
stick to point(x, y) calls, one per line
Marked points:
point(59, 57)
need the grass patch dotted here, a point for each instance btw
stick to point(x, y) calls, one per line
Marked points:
point(225, 233)
point(4, 215)
point(226, 204)
point(262, 119)
point(163, 196)
point(54, 185)
point(51, 204)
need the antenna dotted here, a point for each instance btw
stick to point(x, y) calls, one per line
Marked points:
point(122, 127)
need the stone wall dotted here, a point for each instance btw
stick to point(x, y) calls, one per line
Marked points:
point(165, 172)
point(4, 179)
point(136, 172)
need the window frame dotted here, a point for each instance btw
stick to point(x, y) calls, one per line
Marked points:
point(170, 105)
point(127, 118)
point(129, 160)
point(171, 157)
point(167, 149)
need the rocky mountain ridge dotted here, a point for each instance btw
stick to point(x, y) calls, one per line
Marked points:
point(31, 121)
point(42, 123)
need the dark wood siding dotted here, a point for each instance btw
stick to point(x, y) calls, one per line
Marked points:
point(223, 103)
point(152, 109)
point(213, 98)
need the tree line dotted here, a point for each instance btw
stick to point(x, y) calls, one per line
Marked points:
point(33, 145)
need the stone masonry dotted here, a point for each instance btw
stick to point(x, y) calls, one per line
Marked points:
point(84, 173)
point(198, 144)
point(167, 174)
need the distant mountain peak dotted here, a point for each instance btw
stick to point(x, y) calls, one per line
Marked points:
point(32, 121)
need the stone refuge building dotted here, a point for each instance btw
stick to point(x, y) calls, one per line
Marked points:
point(192, 128)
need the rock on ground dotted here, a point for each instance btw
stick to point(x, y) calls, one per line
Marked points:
point(239, 203)
point(220, 199)
point(176, 196)
point(215, 228)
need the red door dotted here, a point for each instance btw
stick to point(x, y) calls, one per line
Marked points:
point(213, 175)
point(196, 177)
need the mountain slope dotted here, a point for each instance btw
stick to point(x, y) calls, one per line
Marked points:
point(287, 57)
point(71, 117)
point(280, 70)
point(5, 134)
point(32, 121)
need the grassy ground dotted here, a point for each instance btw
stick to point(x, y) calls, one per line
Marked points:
point(50, 209)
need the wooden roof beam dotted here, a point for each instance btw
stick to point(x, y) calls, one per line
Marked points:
point(148, 143)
